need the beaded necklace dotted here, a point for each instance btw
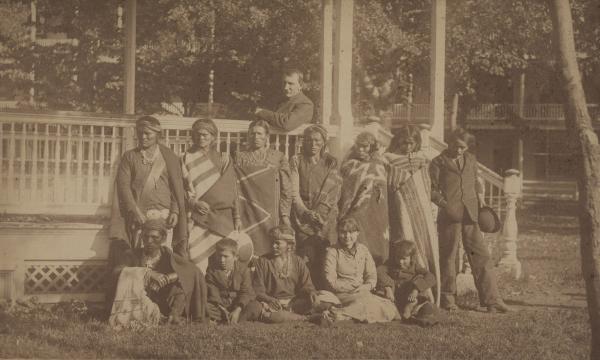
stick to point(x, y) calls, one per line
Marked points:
point(283, 271)
point(149, 160)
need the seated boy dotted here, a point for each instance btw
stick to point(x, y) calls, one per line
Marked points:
point(152, 280)
point(282, 280)
point(231, 298)
point(403, 281)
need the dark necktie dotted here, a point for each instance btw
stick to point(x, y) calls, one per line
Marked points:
point(459, 163)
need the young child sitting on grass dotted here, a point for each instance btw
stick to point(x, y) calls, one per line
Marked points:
point(231, 298)
point(404, 282)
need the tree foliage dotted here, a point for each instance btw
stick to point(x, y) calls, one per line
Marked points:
point(255, 39)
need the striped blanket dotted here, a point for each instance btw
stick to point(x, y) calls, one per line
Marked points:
point(364, 197)
point(209, 178)
point(411, 215)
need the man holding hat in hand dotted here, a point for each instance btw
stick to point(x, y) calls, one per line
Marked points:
point(456, 191)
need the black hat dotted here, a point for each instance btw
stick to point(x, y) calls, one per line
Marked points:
point(489, 222)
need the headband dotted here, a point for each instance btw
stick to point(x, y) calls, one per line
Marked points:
point(318, 128)
point(143, 123)
point(205, 125)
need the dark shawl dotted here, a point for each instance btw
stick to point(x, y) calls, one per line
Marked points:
point(319, 186)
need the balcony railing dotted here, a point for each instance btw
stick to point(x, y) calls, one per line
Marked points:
point(489, 113)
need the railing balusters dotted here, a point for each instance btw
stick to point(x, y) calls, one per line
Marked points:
point(57, 152)
point(287, 146)
point(277, 143)
point(53, 149)
point(11, 163)
point(114, 159)
point(79, 177)
point(2, 172)
point(91, 160)
point(228, 143)
point(22, 157)
point(101, 194)
point(34, 161)
point(45, 187)
point(68, 173)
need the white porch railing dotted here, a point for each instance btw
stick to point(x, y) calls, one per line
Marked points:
point(65, 163)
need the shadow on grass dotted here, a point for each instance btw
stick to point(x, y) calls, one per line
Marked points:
point(549, 306)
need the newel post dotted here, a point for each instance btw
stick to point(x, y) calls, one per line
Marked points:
point(510, 233)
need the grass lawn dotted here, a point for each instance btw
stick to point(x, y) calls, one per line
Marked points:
point(550, 321)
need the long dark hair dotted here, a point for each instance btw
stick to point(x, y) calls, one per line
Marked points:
point(405, 132)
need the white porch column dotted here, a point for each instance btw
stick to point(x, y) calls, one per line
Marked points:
point(327, 62)
point(437, 72)
point(510, 233)
point(129, 58)
point(342, 77)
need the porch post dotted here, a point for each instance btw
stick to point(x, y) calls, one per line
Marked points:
point(437, 67)
point(326, 62)
point(129, 58)
point(510, 234)
point(342, 77)
point(520, 99)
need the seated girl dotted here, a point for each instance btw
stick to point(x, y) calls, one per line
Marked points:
point(351, 275)
point(406, 283)
point(282, 281)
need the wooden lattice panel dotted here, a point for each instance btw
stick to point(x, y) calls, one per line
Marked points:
point(64, 277)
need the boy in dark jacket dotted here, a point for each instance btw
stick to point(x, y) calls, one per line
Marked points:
point(231, 298)
point(458, 194)
point(406, 283)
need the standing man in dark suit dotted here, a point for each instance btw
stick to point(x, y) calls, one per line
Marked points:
point(456, 191)
point(295, 111)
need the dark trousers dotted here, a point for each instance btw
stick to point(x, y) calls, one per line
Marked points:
point(477, 253)
point(170, 299)
point(250, 312)
point(314, 248)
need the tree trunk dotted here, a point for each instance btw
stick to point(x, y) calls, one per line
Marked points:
point(579, 127)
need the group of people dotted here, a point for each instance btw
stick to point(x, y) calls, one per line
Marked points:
point(329, 242)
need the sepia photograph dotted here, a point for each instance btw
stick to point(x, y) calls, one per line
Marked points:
point(276, 179)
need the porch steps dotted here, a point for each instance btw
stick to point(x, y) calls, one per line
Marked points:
point(543, 191)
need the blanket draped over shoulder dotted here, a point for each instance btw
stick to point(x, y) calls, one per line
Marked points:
point(316, 189)
point(364, 197)
point(124, 200)
point(411, 214)
point(264, 194)
point(209, 178)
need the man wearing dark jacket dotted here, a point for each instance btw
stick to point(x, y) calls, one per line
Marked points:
point(456, 191)
point(295, 111)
